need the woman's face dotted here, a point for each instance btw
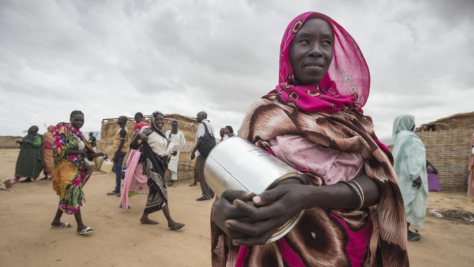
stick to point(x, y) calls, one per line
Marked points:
point(77, 121)
point(159, 121)
point(33, 129)
point(311, 51)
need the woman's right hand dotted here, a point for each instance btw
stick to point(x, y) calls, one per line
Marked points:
point(224, 209)
point(142, 137)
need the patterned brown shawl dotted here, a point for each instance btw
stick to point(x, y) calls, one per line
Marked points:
point(346, 131)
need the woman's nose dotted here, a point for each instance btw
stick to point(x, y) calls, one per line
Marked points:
point(315, 50)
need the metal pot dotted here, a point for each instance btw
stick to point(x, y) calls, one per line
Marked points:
point(238, 164)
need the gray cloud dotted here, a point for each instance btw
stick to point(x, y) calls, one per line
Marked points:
point(111, 58)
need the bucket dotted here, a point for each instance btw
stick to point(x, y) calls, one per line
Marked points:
point(107, 166)
point(238, 164)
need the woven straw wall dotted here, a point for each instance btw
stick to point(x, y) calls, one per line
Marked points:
point(187, 125)
point(448, 151)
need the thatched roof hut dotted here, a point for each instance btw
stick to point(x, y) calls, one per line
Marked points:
point(456, 121)
point(447, 143)
point(188, 125)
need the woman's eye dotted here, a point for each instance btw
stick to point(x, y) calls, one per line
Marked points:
point(327, 42)
point(304, 42)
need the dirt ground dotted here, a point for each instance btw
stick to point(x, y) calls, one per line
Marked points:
point(26, 239)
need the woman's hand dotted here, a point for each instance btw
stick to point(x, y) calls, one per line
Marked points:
point(224, 210)
point(100, 154)
point(272, 209)
point(142, 137)
point(174, 153)
point(417, 182)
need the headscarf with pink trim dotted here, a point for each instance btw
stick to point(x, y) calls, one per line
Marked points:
point(345, 86)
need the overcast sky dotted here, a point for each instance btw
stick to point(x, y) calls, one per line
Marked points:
point(112, 58)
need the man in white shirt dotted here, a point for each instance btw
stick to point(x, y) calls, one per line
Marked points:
point(177, 137)
point(207, 192)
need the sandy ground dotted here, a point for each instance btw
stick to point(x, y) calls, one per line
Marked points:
point(26, 239)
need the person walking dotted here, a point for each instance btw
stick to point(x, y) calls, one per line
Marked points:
point(204, 125)
point(409, 156)
point(72, 169)
point(121, 145)
point(155, 152)
point(177, 138)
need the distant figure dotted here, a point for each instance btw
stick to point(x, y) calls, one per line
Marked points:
point(139, 122)
point(433, 180)
point(409, 155)
point(155, 152)
point(207, 192)
point(121, 145)
point(30, 160)
point(47, 152)
point(470, 183)
point(177, 138)
point(93, 141)
point(222, 134)
point(71, 170)
point(229, 132)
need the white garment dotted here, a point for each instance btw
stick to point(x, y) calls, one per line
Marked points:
point(174, 176)
point(201, 131)
point(176, 139)
point(158, 144)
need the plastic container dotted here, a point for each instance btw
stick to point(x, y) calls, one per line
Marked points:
point(238, 164)
point(107, 166)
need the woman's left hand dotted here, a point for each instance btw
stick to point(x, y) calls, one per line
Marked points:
point(417, 182)
point(174, 153)
point(274, 208)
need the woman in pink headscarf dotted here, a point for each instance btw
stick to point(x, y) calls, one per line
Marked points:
point(313, 120)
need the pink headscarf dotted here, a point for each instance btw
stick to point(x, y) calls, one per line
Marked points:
point(346, 85)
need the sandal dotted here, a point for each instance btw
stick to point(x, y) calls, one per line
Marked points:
point(63, 225)
point(85, 231)
point(414, 233)
point(414, 237)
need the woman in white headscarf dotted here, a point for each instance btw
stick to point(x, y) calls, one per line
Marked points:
point(410, 166)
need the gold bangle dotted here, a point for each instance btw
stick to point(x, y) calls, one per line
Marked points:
point(356, 192)
point(361, 193)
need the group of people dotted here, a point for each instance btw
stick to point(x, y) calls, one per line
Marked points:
point(35, 156)
point(360, 200)
point(150, 155)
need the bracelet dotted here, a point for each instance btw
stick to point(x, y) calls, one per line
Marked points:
point(356, 193)
point(361, 193)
